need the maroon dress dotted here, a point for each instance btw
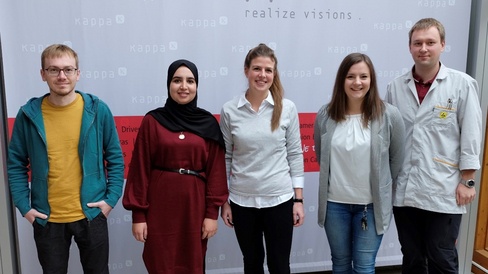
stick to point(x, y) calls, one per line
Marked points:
point(174, 205)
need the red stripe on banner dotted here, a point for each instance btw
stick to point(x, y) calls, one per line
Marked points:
point(306, 131)
point(128, 126)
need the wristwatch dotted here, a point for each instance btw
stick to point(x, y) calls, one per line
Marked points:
point(469, 183)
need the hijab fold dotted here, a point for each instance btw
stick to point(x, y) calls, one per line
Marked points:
point(187, 117)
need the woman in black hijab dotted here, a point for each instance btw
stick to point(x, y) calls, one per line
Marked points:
point(177, 179)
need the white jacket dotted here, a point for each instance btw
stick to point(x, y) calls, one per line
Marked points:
point(443, 137)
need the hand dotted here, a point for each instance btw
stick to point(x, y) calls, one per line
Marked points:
point(209, 228)
point(139, 230)
point(104, 207)
point(32, 214)
point(464, 194)
point(226, 214)
point(298, 214)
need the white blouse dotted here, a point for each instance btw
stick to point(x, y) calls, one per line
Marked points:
point(350, 162)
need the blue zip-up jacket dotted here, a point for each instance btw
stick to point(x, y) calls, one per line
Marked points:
point(99, 151)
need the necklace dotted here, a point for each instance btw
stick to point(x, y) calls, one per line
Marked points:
point(182, 136)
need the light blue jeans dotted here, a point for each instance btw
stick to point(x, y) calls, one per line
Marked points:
point(353, 248)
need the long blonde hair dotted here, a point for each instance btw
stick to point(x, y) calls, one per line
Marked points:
point(276, 88)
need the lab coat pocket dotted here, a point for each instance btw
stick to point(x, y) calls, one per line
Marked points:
point(443, 116)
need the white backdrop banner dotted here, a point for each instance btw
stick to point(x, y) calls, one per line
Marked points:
point(125, 47)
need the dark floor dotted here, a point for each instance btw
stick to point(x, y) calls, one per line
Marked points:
point(389, 270)
point(379, 270)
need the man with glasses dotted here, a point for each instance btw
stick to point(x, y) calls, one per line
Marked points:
point(66, 141)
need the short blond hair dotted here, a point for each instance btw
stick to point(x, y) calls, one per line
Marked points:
point(427, 23)
point(57, 50)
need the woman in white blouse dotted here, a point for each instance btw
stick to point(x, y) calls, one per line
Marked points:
point(359, 141)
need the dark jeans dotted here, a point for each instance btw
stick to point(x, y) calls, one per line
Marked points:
point(428, 240)
point(53, 242)
point(276, 224)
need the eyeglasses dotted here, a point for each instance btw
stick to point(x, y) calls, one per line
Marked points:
point(56, 71)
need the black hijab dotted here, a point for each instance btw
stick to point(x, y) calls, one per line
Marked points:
point(187, 117)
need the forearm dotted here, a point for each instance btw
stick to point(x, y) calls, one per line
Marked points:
point(468, 174)
point(298, 193)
